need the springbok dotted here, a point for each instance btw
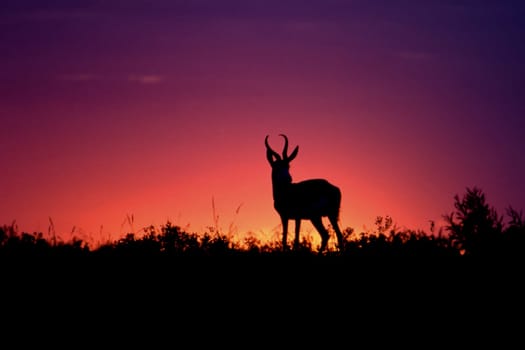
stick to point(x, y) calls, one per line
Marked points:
point(309, 199)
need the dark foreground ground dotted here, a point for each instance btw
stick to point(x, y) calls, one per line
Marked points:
point(278, 273)
point(261, 301)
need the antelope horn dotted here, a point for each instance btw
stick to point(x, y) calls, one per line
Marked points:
point(285, 149)
point(270, 150)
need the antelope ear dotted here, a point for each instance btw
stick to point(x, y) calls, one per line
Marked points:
point(294, 153)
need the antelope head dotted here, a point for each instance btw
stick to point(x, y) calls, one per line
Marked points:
point(280, 163)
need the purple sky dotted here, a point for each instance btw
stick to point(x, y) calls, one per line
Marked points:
point(156, 108)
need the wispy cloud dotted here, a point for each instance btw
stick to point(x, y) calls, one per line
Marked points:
point(146, 79)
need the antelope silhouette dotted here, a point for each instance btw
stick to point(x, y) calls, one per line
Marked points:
point(310, 199)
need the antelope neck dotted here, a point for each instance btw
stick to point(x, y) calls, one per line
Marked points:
point(280, 189)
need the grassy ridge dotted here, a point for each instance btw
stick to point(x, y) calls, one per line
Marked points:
point(475, 230)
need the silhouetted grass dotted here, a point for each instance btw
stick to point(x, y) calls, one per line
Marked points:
point(474, 230)
point(172, 241)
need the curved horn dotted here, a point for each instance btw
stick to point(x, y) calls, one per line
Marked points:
point(270, 151)
point(285, 148)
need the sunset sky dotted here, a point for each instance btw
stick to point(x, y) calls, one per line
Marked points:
point(159, 109)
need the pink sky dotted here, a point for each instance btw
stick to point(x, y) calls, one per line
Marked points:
point(158, 108)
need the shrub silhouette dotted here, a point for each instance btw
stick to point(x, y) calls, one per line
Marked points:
point(475, 227)
point(15, 244)
point(514, 234)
